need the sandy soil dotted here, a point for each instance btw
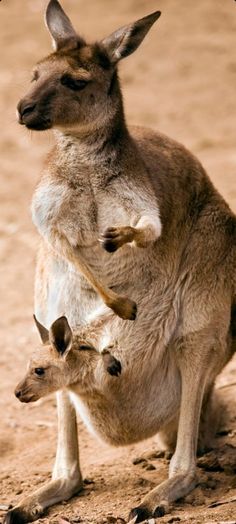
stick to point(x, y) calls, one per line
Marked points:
point(182, 81)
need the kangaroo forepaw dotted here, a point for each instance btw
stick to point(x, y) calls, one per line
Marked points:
point(115, 237)
point(124, 308)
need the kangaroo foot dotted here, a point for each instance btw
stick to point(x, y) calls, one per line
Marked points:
point(142, 512)
point(21, 516)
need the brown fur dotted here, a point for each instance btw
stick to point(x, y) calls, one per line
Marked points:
point(66, 361)
point(102, 175)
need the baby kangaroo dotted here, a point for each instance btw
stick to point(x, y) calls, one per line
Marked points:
point(66, 361)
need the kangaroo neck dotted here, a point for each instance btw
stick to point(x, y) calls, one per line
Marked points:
point(100, 146)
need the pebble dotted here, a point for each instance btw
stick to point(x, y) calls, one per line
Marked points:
point(4, 507)
point(138, 460)
point(222, 459)
point(196, 498)
point(148, 467)
point(88, 481)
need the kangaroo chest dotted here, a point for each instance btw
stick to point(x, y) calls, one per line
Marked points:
point(80, 215)
point(72, 212)
point(76, 211)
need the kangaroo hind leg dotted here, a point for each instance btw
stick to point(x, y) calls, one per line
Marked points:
point(196, 364)
point(66, 478)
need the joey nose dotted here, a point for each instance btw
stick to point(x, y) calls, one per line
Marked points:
point(25, 109)
point(17, 393)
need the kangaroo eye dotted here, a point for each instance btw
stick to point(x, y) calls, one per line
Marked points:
point(73, 83)
point(39, 371)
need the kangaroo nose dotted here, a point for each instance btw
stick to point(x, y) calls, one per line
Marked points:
point(27, 109)
point(24, 109)
point(18, 393)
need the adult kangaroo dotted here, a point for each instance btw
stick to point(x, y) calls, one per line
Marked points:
point(144, 197)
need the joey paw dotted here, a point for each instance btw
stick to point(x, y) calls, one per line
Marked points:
point(113, 366)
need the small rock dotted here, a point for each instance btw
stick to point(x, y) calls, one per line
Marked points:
point(168, 455)
point(138, 460)
point(196, 498)
point(151, 455)
point(88, 481)
point(227, 458)
point(209, 483)
point(222, 459)
point(209, 462)
point(142, 482)
point(148, 467)
point(4, 507)
point(114, 520)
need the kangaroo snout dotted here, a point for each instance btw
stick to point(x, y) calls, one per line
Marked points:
point(17, 393)
point(24, 393)
point(31, 115)
point(24, 109)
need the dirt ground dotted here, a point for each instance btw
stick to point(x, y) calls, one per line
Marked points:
point(183, 82)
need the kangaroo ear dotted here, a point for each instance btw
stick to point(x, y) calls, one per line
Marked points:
point(60, 27)
point(43, 332)
point(128, 38)
point(60, 335)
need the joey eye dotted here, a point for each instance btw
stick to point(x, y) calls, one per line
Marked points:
point(85, 347)
point(39, 371)
point(73, 83)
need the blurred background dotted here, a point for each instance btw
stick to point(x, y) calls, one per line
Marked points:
point(182, 81)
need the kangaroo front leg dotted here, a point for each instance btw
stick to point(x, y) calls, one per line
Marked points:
point(122, 306)
point(182, 472)
point(66, 477)
point(147, 230)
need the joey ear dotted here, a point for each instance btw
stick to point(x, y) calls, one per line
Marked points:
point(43, 332)
point(127, 39)
point(60, 335)
point(60, 26)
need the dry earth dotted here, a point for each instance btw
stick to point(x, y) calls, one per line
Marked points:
point(182, 81)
